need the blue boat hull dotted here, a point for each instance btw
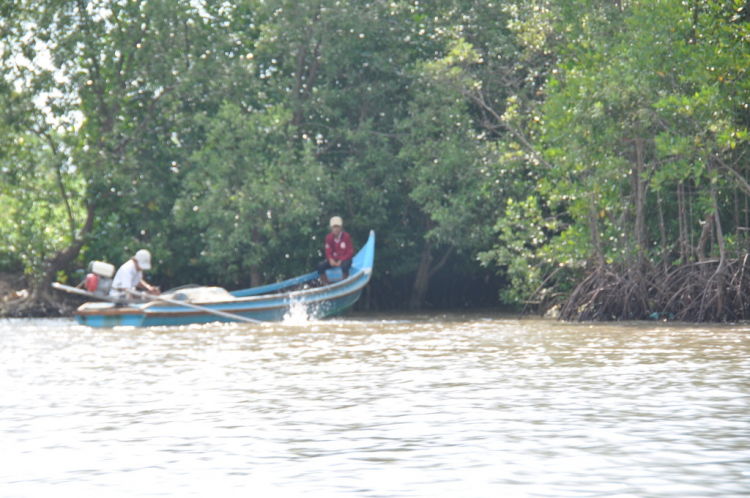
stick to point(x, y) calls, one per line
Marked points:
point(268, 303)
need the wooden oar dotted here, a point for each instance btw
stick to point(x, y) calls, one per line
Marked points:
point(76, 290)
point(224, 314)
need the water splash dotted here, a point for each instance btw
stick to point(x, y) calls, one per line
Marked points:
point(299, 313)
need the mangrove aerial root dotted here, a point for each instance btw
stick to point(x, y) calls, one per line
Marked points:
point(706, 291)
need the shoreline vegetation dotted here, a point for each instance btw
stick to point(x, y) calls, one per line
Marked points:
point(695, 293)
point(16, 300)
point(583, 158)
point(700, 292)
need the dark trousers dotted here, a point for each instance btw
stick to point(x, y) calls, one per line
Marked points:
point(345, 266)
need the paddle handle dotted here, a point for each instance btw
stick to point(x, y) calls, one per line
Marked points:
point(76, 290)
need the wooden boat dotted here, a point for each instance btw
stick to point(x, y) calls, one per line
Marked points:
point(271, 302)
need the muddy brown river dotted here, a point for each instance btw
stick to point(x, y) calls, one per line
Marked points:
point(412, 405)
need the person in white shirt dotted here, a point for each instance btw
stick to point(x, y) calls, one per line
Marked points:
point(130, 276)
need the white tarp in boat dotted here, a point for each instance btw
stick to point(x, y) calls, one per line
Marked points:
point(201, 295)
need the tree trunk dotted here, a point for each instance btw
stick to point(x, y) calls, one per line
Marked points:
point(422, 280)
point(639, 198)
point(700, 250)
point(424, 274)
point(256, 276)
point(663, 232)
point(719, 275)
point(684, 238)
point(594, 228)
point(60, 260)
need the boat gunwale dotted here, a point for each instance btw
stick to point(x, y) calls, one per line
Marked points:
point(353, 280)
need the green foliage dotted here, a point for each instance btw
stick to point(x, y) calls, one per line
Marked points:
point(442, 154)
point(36, 221)
point(631, 113)
point(541, 139)
point(250, 199)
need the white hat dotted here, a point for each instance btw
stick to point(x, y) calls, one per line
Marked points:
point(143, 257)
point(336, 222)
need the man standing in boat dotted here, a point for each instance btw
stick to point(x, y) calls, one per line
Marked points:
point(339, 251)
point(130, 276)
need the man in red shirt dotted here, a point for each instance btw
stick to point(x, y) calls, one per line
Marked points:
point(339, 251)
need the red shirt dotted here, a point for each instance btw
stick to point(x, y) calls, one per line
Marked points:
point(339, 248)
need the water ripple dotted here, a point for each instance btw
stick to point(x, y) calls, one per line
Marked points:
point(411, 406)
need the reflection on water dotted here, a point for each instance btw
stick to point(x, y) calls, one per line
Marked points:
point(375, 406)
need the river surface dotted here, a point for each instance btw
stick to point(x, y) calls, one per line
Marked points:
point(441, 405)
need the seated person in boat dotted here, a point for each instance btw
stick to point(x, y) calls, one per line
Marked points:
point(130, 276)
point(339, 250)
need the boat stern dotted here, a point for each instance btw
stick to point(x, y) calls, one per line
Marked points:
point(97, 314)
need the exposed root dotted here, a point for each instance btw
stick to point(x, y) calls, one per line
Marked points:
point(37, 308)
point(18, 300)
point(696, 292)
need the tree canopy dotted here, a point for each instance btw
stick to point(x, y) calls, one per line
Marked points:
point(586, 156)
